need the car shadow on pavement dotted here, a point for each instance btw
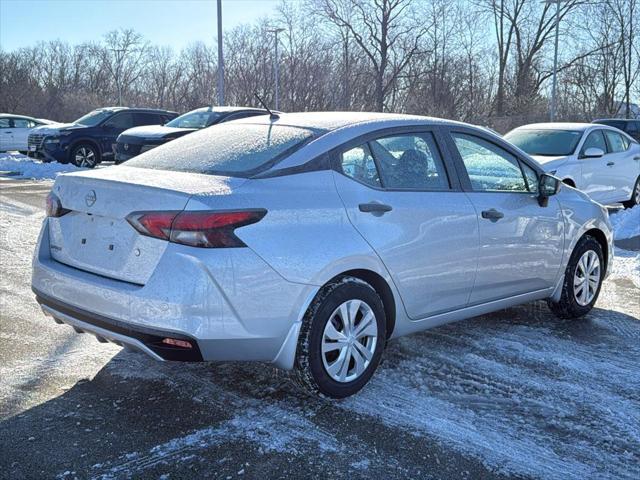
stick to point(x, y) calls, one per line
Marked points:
point(496, 396)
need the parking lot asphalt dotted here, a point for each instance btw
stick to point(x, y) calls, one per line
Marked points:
point(514, 394)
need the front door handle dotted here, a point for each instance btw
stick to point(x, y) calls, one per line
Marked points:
point(493, 215)
point(636, 158)
point(374, 207)
point(610, 164)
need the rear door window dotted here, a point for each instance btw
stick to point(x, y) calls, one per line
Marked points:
point(147, 119)
point(5, 123)
point(121, 121)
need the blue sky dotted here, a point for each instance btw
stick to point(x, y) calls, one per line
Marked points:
point(162, 22)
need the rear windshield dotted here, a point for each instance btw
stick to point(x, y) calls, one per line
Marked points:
point(546, 143)
point(237, 150)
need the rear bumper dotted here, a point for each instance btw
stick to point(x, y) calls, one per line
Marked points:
point(146, 340)
point(228, 302)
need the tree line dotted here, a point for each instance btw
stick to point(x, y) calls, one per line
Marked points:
point(487, 62)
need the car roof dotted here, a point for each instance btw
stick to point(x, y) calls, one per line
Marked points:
point(13, 115)
point(135, 109)
point(329, 121)
point(556, 126)
point(616, 120)
point(228, 109)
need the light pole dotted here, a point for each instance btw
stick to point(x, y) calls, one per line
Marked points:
point(276, 68)
point(119, 53)
point(554, 82)
point(220, 58)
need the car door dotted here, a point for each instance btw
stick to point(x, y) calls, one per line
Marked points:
point(623, 170)
point(595, 180)
point(21, 129)
point(6, 134)
point(400, 197)
point(521, 242)
point(113, 127)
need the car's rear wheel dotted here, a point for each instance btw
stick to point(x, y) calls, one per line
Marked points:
point(85, 155)
point(582, 280)
point(341, 340)
point(635, 196)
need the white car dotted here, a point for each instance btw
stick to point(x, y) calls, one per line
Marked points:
point(308, 240)
point(14, 131)
point(602, 161)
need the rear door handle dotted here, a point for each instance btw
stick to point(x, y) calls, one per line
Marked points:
point(610, 164)
point(374, 207)
point(493, 215)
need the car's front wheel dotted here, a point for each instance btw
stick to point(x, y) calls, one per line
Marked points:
point(582, 280)
point(635, 196)
point(85, 155)
point(341, 340)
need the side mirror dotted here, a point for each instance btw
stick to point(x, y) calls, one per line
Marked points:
point(593, 152)
point(547, 186)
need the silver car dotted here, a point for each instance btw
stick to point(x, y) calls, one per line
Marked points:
point(309, 240)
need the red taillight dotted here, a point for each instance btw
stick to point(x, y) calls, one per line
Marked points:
point(54, 206)
point(198, 229)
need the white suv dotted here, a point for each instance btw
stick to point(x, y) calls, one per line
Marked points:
point(602, 161)
point(309, 240)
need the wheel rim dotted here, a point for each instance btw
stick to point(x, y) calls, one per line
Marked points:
point(349, 341)
point(85, 157)
point(636, 193)
point(586, 278)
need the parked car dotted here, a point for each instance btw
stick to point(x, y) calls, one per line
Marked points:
point(14, 130)
point(141, 139)
point(308, 240)
point(89, 140)
point(600, 160)
point(629, 126)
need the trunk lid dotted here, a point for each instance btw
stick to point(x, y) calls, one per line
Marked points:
point(96, 237)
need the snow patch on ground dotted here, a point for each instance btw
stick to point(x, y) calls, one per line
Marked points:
point(25, 167)
point(626, 223)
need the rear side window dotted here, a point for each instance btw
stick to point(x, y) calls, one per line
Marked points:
point(227, 149)
point(120, 121)
point(490, 168)
point(5, 123)
point(594, 140)
point(616, 142)
point(147, 119)
point(358, 164)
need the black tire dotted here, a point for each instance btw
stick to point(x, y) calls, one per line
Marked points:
point(568, 306)
point(635, 196)
point(84, 155)
point(309, 370)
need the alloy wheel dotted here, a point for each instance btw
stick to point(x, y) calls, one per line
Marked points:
point(85, 157)
point(349, 341)
point(586, 278)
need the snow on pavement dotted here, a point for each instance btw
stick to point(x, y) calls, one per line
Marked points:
point(22, 166)
point(520, 391)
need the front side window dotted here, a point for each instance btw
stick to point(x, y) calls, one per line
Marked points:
point(594, 140)
point(227, 149)
point(616, 142)
point(410, 161)
point(490, 168)
point(544, 142)
point(358, 164)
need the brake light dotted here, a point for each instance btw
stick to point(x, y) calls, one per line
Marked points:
point(54, 206)
point(205, 229)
